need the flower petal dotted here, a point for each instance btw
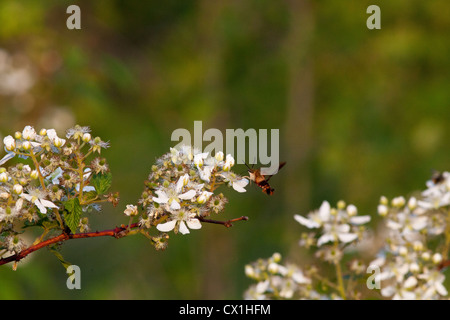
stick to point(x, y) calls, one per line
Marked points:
point(182, 228)
point(40, 206)
point(239, 185)
point(167, 226)
point(347, 237)
point(187, 195)
point(194, 224)
point(48, 204)
point(324, 211)
point(174, 205)
point(162, 197)
point(419, 223)
point(440, 289)
point(324, 239)
point(359, 220)
point(306, 222)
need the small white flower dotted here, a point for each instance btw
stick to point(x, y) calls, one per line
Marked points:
point(182, 154)
point(434, 283)
point(172, 197)
point(237, 183)
point(316, 218)
point(10, 214)
point(36, 196)
point(131, 210)
point(183, 219)
point(205, 172)
point(198, 159)
point(334, 233)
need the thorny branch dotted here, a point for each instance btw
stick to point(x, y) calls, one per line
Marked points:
point(117, 233)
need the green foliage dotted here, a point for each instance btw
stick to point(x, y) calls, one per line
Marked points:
point(102, 182)
point(140, 69)
point(73, 213)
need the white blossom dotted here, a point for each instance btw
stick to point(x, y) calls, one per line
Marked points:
point(181, 218)
point(36, 196)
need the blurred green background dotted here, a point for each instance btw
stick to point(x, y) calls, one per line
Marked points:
point(361, 113)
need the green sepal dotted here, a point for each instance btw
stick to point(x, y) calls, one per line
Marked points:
point(58, 255)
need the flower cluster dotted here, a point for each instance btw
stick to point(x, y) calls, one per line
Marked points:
point(336, 228)
point(415, 237)
point(335, 231)
point(416, 243)
point(180, 189)
point(53, 182)
point(277, 281)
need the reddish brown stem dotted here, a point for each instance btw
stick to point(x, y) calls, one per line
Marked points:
point(444, 264)
point(227, 223)
point(117, 232)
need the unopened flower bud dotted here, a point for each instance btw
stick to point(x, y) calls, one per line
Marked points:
point(10, 143)
point(3, 177)
point(412, 203)
point(17, 188)
point(352, 210)
point(219, 156)
point(86, 137)
point(403, 251)
point(276, 257)
point(59, 142)
point(28, 133)
point(382, 210)
point(204, 197)
point(26, 145)
point(34, 174)
point(437, 258)
point(384, 200)
point(229, 162)
point(426, 256)
point(418, 245)
point(398, 202)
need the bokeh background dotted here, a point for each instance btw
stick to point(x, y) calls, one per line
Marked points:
point(361, 113)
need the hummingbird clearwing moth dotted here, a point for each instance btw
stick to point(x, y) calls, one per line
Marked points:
point(437, 177)
point(261, 180)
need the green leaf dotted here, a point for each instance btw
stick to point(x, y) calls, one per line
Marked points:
point(101, 182)
point(73, 213)
point(88, 196)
